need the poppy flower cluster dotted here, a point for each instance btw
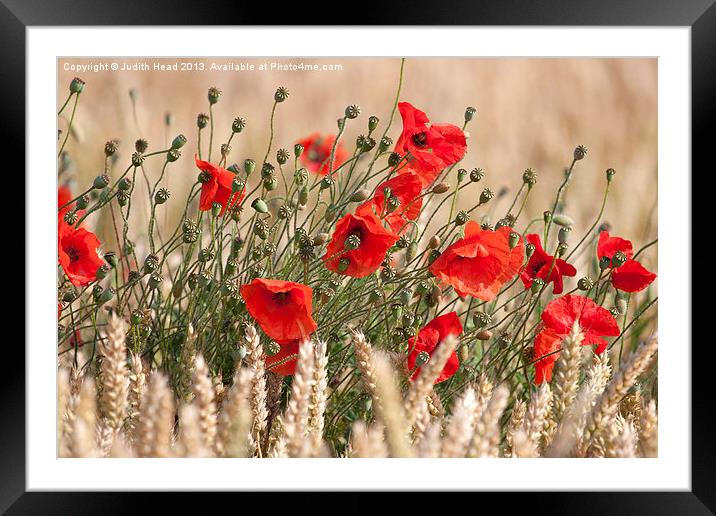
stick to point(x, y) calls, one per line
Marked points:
point(428, 339)
point(432, 147)
point(405, 189)
point(631, 276)
point(77, 248)
point(559, 317)
point(546, 267)
point(480, 263)
point(217, 187)
point(316, 155)
point(283, 310)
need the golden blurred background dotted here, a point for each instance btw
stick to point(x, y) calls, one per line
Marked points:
point(530, 113)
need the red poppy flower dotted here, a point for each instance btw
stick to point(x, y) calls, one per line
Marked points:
point(559, 317)
point(432, 146)
point(317, 153)
point(546, 343)
point(539, 266)
point(218, 187)
point(78, 253)
point(282, 308)
point(374, 241)
point(64, 195)
point(283, 363)
point(632, 276)
point(428, 339)
point(480, 263)
point(406, 188)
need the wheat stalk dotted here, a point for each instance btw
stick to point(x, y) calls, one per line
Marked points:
point(114, 374)
point(235, 418)
point(297, 412)
point(203, 390)
point(487, 430)
point(461, 426)
point(648, 430)
point(255, 362)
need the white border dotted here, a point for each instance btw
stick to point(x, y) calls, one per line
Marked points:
point(670, 471)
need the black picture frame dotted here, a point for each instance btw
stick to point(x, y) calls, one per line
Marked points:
point(699, 15)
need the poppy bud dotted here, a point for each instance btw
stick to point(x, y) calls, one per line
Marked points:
point(514, 239)
point(585, 283)
point(330, 214)
point(82, 202)
point(484, 335)
point(137, 159)
point(464, 353)
point(161, 196)
point(610, 174)
point(481, 319)
point(461, 218)
point(476, 174)
point(249, 166)
point(281, 94)
point(563, 234)
point(435, 294)
point(100, 182)
point(537, 285)
point(547, 216)
point(326, 182)
point(214, 95)
point(352, 111)
point(110, 147)
point(529, 178)
point(619, 259)
point(580, 152)
point(621, 304)
point(282, 156)
point(206, 254)
point(238, 125)
point(102, 272)
point(151, 263)
point(77, 85)
point(393, 159)
point(562, 220)
point(270, 183)
point(360, 196)
point(173, 155)
point(298, 150)
point(385, 144)
point(461, 173)
point(422, 359)
point(155, 279)
point(141, 145)
point(178, 141)
point(604, 263)
point(303, 195)
point(259, 205)
point(434, 242)
point(411, 252)
point(373, 123)
point(486, 195)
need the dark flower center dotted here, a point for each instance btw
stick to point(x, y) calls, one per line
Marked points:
point(420, 139)
point(73, 253)
point(281, 297)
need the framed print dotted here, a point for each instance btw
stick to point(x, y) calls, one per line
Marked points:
point(348, 258)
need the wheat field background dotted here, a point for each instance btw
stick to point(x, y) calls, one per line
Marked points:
point(530, 113)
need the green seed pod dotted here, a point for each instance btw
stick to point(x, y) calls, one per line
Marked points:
point(213, 95)
point(238, 125)
point(352, 111)
point(394, 159)
point(321, 238)
point(272, 348)
point(604, 263)
point(405, 295)
point(375, 295)
point(385, 143)
point(192, 280)
point(476, 175)
point(236, 245)
point(563, 220)
point(259, 205)
point(514, 239)
point(249, 166)
point(529, 250)
point(110, 147)
point(352, 242)
point(270, 183)
point(106, 295)
point(563, 234)
point(122, 197)
point(161, 196)
point(173, 155)
point(102, 272)
point(561, 249)
point(393, 204)
point(486, 195)
point(216, 209)
point(100, 182)
point(205, 279)
point(461, 173)
point(151, 264)
point(97, 291)
point(77, 85)
point(228, 288)
point(82, 202)
point(481, 319)
point(422, 359)
point(343, 264)
point(111, 258)
point(470, 113)
point(155, 279)
point(411, 252)
point(586, 283)
point(387, 273)
point(267, 171)
point(461, 218)
point(261, 229)
point(301, 176)
point(403, 242)
point(433, 255)
point(396, 311)
point(547, 216)
point(232, 265)
point(614, 311)
point(178, 142)
point(137, 159)
point(298, 150)
point(537, 285)
point(529, 178)
point(360, 196)
point(284, 212)
point(202, 119)
point(373, 123)
point(326, 182)
point(136, 317)
point(237, 184)
point(619, 259)
point(610, 174)
point(580, 152)
point(281, 94)
point(206, 255)
point(282, 156)
point(422, 288)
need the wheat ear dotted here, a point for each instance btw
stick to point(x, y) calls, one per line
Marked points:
point(295, 420)
point(367, 441)
point(537, 410)
point(255, 362)
point(517, 418)
point(83, 437)
point(235, 418)
point(156, 422)
point(137, 383)
point(486, 440)
point(203, 390)
point(191, 433)
point(114, 374)
point(390, 409)
point(316, 416)
point(461, 425)
point(366, 363)
point(648, 430)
